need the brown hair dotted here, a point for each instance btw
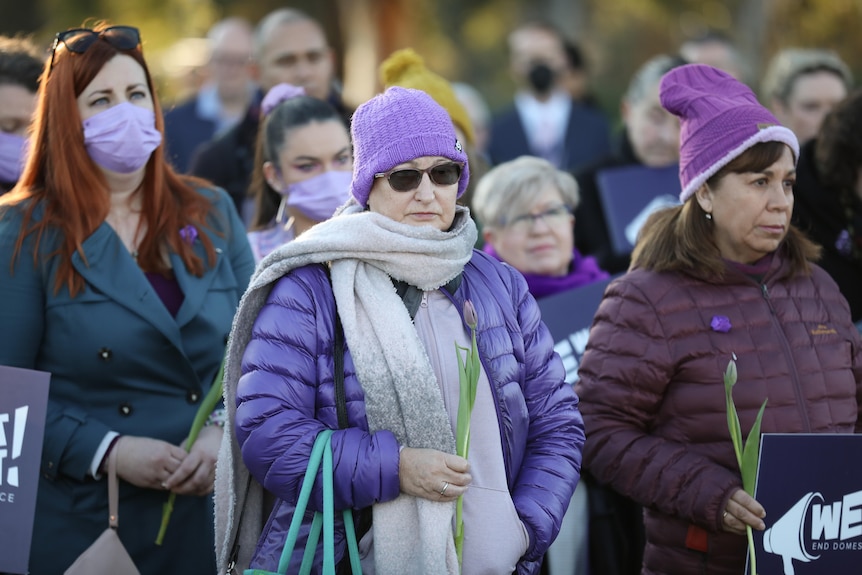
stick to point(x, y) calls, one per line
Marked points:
point(838, 158)
point(838, 151)
point(275, 130)
point(681, 238)
point(20, 63)
point(73, 192)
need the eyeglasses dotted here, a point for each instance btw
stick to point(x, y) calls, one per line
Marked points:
point(408, 179)
point(79, 40)
point(553, 216)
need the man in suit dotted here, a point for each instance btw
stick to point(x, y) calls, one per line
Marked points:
point(222, 101)
point(288, 46)
point(545, 120)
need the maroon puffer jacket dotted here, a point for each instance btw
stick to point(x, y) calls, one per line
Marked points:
point(652, 394)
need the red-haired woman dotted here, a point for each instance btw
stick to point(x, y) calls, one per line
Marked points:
point(121, 280)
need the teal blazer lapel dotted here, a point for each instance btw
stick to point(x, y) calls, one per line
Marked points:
point(110, 269)
point(195, 289)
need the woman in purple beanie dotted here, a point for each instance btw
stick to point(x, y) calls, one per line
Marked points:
point(394, 277)
point(723, 276)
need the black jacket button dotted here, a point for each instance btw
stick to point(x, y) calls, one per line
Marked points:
point(125, 409)
point(193, 396)
point(105, 354)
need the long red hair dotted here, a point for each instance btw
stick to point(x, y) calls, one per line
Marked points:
point(71, 189)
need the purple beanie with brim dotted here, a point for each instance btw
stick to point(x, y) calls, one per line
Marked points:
point(398, 126)
point(720, 118)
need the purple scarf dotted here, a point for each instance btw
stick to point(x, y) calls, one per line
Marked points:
point(582, 271)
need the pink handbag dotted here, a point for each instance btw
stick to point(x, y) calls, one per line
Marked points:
point(106, 556)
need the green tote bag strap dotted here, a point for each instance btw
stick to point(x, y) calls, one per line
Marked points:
point(322, 451)
point(328, 526)
point(321, 444)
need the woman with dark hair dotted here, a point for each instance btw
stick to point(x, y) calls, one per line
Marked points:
point(302, 167)
point(120, 279)
point(20, 68)
point(829, 198)
point(723, 276)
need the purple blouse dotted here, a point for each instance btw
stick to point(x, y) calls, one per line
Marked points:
point(168, 290)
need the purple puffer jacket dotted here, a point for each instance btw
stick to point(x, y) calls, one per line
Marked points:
point(286, 396)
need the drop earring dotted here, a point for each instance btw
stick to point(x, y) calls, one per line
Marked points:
point(708, 216)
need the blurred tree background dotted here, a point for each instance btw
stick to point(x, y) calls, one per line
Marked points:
point(465, 40)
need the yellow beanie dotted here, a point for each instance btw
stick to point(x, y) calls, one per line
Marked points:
point(407, 69)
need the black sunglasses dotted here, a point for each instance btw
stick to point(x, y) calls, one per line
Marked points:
point(79, 40)
point(408, 179)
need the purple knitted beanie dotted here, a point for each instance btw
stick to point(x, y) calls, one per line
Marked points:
point(720, 118)
point(398, 126)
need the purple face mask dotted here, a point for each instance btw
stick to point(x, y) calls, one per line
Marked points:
point(320, 196)
point(13, 155)
point(122, 138)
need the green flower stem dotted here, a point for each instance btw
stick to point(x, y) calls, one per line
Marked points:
point(747, 454)
point(751, 555)
point(206, 408)
point(468, 377)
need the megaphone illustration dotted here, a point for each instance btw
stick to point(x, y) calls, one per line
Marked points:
point(785, 537)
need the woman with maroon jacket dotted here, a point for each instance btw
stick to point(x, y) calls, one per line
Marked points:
point(725, 274)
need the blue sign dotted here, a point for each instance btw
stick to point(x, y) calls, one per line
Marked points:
point(811, 488)
point(569, 316)
point(630, 194)
point(23, 407)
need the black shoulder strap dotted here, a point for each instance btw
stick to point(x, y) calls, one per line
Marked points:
point(338, 375)
point(338, 359)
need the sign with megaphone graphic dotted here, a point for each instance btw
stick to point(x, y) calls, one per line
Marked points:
point(811, 488)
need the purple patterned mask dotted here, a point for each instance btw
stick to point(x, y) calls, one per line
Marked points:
point(122, 138)
point(320, 196)
point(13, 154)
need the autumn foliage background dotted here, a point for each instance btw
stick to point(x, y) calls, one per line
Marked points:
point(465, 40)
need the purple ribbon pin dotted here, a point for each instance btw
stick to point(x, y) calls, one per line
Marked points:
point(720, 323)
point(189, 234)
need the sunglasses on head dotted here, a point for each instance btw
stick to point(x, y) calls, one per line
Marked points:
point(408, 179)
point(79, 40)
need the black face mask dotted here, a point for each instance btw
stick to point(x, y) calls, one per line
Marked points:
point(541, 78)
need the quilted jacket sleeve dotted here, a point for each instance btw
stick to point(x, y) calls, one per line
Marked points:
point(285, 397)
point(625, 371)
point(551, 463)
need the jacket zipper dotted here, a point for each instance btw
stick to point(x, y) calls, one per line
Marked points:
point(788, 354)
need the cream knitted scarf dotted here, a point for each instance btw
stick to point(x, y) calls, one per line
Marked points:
point(366, 251)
